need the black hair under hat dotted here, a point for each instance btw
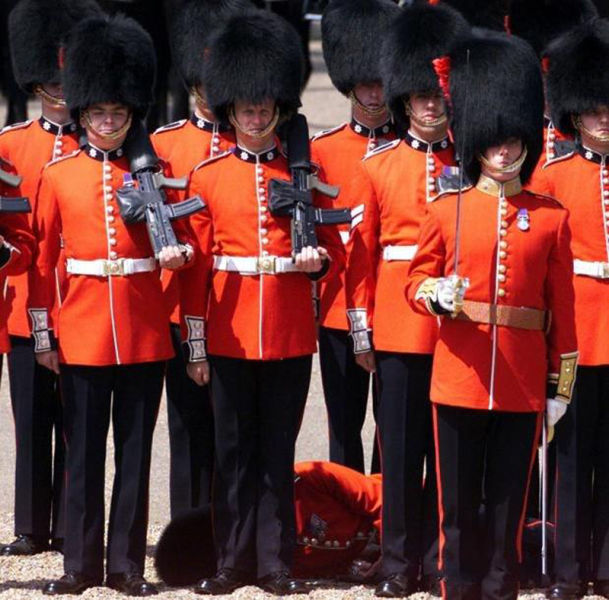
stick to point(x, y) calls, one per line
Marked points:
point(416, 37)
point(253, 57)
point(352, 32)
point(497, 97)
point(541, 21)
point(36, 31)
point(109, 59)
point(578, 78)
point(192, 29)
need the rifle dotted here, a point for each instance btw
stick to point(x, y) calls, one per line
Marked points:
point(13, 205)
point(294, 198)
point(146, 202)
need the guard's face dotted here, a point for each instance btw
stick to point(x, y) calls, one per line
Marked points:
point(371, 95)
point(427, 107)
point(107, 118)
point(253, 119)
point(502, 156)
point(597, 121)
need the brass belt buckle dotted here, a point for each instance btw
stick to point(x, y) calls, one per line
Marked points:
point(114, 267)
point(605, 270)
point(266, 265)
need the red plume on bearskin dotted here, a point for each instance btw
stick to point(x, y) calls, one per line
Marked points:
point(441, 66)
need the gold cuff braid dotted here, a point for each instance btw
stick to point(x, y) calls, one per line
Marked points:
point(566, 378)
point(428, 292)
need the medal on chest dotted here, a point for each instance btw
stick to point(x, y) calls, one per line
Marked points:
point(523, 220)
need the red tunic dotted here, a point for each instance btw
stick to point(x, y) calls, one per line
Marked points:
point(29, 147)
point(260, 316)
point(580, 180)
point(16, 231)
point(182, 146)
point(554, 145)
point(104, 320)
point(337, 509)
point(514, 248)
point(394, 185)
point(338, 152)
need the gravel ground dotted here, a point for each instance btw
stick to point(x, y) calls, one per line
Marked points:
point(22, 578)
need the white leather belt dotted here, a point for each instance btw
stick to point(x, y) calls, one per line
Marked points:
point(255, 265)
point(399, 252)
point(344, 237)
point(600, 270)
point(102, 267)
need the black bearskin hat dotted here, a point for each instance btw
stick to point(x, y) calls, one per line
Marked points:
point(541, 21)
point(498, 97)
point(37, 31)
point(416, 37)
point(253, 57)
point(109, 59)
point(191, 31)
point(577, 79)
point(351, 33)
point(185, 551)
point(482, 13)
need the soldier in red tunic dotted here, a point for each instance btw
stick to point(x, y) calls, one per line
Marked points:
point(114, 337)
point(183, 145)
point(391, 189)
point(248, 304)
point(578, 93)
point(37, 30)
point(353, 58)
point(338, 518)
point(507, 352)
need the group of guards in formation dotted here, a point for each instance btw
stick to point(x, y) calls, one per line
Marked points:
point(472, 281)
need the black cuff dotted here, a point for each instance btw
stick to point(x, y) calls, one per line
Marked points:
point(325, 265)
point(44, 341)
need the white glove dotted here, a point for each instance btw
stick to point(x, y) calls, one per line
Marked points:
point(451, 291)
point(555, 411)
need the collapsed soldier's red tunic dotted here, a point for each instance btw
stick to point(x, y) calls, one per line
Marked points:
point(182, 146)
point(337, 511)
point(263, 316)
point(109, 319)
point(515, 250)
point(338, 152)
point(29, 147)
point(394, 186)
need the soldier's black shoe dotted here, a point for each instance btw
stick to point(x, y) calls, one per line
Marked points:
point(130, 584)
point(25, 545)
point(565, 591)
point(432, 585)
point(225, 581)
point(281, 584)
point(70, 583)
point(396, 586)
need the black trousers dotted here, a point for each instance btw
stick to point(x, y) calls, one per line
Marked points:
point(345, 386)
point(40, 450)
point(191, 435)
point(130, 395)
point(258, 408)
point(582, 481)
point(482, 455)
point(410, 507)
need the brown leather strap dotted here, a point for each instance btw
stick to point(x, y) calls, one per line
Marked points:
point(506, 316)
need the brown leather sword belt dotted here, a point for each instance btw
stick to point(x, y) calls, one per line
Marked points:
point(505, 316)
